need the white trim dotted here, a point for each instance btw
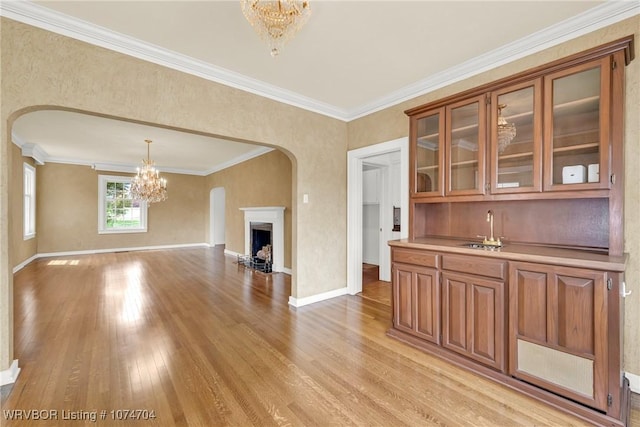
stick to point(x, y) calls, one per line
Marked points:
point(131, 168)
point(104, 251)
point(35, 152)
point(355, 159)
point(591, 20)
point(24, 263)
point(9, 376)
point(634, 382)
point(29, 201)
point(232, 253)
point(240, 159)
point(102, 217)
point(299, 302)
point(287, 271)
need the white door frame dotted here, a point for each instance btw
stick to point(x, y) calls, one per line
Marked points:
point(355, 159)
point(216, 222)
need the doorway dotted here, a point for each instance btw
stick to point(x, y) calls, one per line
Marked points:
point(391, 159)
point(217, 217)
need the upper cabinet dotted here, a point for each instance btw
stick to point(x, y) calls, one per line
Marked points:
point(465, 146)
point(427, 152)
point(516, 138)
point(545, 131)
point(577, 127)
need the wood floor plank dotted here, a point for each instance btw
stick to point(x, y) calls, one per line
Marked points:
point(201, 341)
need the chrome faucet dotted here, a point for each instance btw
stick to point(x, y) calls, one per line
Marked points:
point(491, 241)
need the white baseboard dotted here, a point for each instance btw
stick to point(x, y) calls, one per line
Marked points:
point(104, 251)
point(24, 263)
point(232, 253)
point(634, 382)
point(287, 271)
point(299, 302)
point(9, 376)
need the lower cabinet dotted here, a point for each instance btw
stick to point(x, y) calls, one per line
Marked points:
point(558, 330)
point(551, 330)
point(416, 301)
point(473, 318)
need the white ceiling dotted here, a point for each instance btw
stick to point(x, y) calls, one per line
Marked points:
point(350, 59)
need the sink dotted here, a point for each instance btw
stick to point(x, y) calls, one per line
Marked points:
point(478, 245)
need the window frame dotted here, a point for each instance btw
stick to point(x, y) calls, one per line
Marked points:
point(102, 205)
point(28, 201)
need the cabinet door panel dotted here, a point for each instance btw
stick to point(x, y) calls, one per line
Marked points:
point(516, 138)
point(575, 313)
point(577, 127)
point(572, 357)
point(531, 304)
point(486, 310)
point(402, 299)
point(455, 334)
point(427, 135)
point(427, 294)
point(466, 124)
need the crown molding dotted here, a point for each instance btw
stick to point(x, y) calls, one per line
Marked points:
point(50, 20)
point(248, 156)
point(601, 16)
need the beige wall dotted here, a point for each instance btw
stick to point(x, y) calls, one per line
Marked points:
point(392, 123)
point(43, 70)
point(68, 212)
point(263, 181)
point(22, 249)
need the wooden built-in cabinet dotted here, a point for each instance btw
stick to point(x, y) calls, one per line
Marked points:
point(542, 154)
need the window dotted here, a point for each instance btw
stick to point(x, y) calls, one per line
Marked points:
point(117, 211)
point(29, 213)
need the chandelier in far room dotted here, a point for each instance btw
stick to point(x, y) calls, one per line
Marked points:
point(276, 21)
point(147, 184)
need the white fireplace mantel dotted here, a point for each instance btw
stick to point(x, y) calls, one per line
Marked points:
point(269, 214)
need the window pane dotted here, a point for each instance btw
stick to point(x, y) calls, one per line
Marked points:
point(464, 147)
point(576, 119)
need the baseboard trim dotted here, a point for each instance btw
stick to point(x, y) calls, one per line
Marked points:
point(299, 302)
point(634, 382)
point(104, 251)
point(9, 376)
point(24, 263)
point(232, 253)
point(287, 271)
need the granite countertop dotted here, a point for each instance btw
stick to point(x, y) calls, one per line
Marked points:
point(519, 252)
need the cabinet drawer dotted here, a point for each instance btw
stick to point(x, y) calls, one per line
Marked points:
point(417, 257)
point(475, 265)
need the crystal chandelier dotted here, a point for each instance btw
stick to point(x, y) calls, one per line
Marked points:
point(506, 131)
point(147, 184)
point(276, 21)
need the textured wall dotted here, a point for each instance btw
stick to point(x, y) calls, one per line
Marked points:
point(43, 69)
point(263, 181)
point(68, 212)
point(392, 123)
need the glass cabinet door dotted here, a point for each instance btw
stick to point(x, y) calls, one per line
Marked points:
point(577, 127)
point(516, 138)
point(465, 143)
point(429, 153)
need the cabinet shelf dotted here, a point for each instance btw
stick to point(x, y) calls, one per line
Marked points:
point(578, 147)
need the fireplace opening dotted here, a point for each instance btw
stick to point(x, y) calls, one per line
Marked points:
point(261, 241)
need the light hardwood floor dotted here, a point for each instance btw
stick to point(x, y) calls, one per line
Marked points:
point(202, 342)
